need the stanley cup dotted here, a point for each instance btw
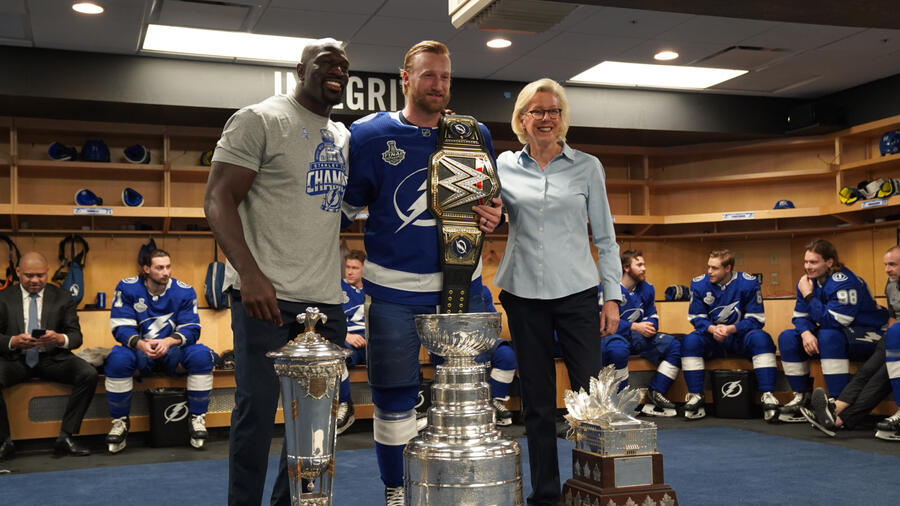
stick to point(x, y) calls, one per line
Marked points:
point(460, 458)
point(310, 370)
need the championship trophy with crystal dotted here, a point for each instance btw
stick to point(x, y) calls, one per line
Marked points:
point(310, 370)
point(615, 460)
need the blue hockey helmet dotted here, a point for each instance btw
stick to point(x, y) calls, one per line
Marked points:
point(784, 204)
point(85, 197)
point(95, 151)
point(137, 154)
point(131, 198)
point(60, 152)
point(890, 143)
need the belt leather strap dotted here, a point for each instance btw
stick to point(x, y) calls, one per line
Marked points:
point(461, 174)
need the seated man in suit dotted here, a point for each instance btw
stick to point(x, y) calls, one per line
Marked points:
point(38, 328)
point(354, 308)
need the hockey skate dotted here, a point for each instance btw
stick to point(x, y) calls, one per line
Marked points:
point(118, 434)
point(197, 429)
point(770, 407)
point(394, 496)
point(345, 416)
point(694, 406)
point(790, 412)
point(820, 413)
point(503, 415)
point(889, 428)
point(657, 405)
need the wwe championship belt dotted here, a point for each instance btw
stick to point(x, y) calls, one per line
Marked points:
point(461, 174)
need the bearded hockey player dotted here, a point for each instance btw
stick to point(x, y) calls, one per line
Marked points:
point(835, 318)
point(154, 318)
point(637, 333)
point(727, 312)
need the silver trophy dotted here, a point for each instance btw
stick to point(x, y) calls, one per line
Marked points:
point(615, 460)
point(460, 458)
point(310, 369)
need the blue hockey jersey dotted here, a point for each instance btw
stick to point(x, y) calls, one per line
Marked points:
point(389, 160)
point(353, 301)
point(842, 300)
point(136, 314)
point(637, 305)
point(736, 302)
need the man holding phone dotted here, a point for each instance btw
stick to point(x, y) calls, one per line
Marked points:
point(38, 328)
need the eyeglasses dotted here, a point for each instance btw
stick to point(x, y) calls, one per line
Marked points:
point(539, 113)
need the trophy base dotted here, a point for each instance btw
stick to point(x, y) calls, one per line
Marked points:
point(617, 480)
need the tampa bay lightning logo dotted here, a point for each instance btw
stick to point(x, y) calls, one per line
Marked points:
point(732, 389)
point(460, 129)
point(411, 201)
point(327, 174)
point(461, 246)
point(176, 412)
point(726, 314)
point(632, 315)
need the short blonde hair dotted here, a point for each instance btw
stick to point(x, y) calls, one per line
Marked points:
point(528, 92)
point(426, 46)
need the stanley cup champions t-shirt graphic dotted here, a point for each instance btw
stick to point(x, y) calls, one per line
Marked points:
point(327, 173)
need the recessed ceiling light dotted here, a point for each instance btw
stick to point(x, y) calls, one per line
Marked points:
point(665, 55)
point(654, 76)
point(498, 43)
point(224, 44)
point(87, 7)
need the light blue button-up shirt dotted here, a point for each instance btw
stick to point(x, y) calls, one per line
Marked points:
point(547, 252)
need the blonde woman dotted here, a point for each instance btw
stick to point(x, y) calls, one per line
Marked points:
point(547, 274)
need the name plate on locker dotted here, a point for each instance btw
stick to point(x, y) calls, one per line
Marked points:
point(874, 203)
point(634, 471)
point(748, 215)
point(95, 211)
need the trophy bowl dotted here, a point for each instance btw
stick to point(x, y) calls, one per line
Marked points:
point(458, 335)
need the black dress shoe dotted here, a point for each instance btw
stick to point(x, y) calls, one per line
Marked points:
point(7, 449)
point(67, 446)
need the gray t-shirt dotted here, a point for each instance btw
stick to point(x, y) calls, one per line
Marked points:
point(291, 215)
point(892, 292)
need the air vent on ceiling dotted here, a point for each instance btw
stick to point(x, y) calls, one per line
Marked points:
point(526, 16)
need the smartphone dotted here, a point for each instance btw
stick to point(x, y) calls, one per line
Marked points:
point(36, 333)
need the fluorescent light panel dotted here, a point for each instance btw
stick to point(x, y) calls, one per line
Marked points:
point(223, 44)
point(654, 76)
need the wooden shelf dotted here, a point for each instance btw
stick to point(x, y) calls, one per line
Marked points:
point(759, 177)
point(68, 210)
point(186, 212)
point(884, 162)
point(871, 129)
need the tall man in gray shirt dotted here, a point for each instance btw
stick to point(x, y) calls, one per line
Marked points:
point(273, 202)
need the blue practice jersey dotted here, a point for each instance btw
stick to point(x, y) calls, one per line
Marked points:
point(136, 314)
point(389, 161)
point(354, 300)
point(736, 302)
point(638, 305)
point(843, 300)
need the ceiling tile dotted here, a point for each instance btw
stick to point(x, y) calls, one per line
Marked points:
point(530, 68)
point(12, 6)
point(872, 42)
point(12, 25)
point(203, 15)
point(313, 24)
point(630, 22)
point(415, 9)
point(709, 29)
point(799, 37)
point(341, 6)
point(402, 32)
point(583, 47)
point(118, 30)
point(688, 52)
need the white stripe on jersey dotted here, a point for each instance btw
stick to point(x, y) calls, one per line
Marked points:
point(692, 363)
point(763, 360)
point(692, 316)
point(835, 366)
point(668, 370)
point(408, 281)
point(798, 314)
point(119, 322)
point(893, 369)
point(795, 368)
point(841, 318)
point(760, 317)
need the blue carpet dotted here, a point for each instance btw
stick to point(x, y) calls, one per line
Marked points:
point(713, 466)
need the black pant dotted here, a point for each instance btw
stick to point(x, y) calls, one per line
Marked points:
point(532, 322)
point(60, 366)
point(256, 396)
point(868, 387)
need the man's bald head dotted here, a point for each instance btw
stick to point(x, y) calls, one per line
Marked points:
point(32, 271)
point(315, 47)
